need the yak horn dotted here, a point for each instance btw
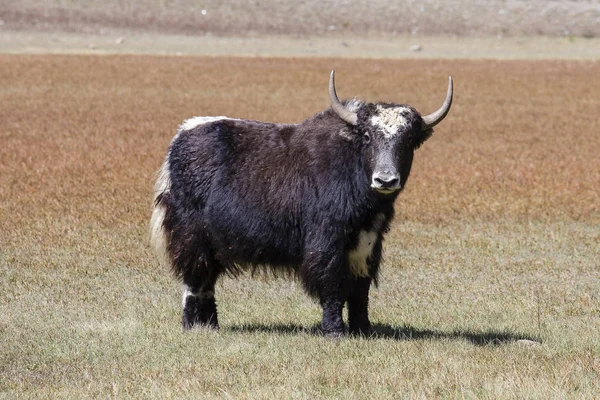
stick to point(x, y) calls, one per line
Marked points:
point(431, 120)
point(342, 111)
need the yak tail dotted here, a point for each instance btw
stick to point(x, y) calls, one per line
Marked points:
point(159, 239)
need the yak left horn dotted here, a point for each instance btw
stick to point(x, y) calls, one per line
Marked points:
point(436, 117)
point(342, 111)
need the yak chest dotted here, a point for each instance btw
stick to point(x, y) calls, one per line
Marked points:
point(358, 256)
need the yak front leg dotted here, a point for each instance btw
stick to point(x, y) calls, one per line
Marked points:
point(333, 322)
point(358, 299)
point(358, 307)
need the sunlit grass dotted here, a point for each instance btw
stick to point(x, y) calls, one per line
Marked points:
point(448, 316)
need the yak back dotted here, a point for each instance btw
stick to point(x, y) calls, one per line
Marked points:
point(263, 193)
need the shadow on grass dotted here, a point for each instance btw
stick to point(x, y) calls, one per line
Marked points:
point(493, 338)
point(385, 331)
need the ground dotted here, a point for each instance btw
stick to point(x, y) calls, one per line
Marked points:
point(490, 280)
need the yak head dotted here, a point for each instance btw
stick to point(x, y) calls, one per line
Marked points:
point(389, 134)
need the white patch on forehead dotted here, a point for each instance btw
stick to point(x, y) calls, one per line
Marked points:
point(389, 120)
point(191, 123)
point(357, 257)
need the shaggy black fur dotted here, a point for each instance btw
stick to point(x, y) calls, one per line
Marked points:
point(292, 198)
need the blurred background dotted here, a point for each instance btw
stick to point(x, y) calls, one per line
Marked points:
point(310, 17)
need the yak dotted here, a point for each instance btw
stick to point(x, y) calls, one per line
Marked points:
point(313, 199)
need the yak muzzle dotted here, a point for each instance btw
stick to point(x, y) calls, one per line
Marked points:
point(385, 182)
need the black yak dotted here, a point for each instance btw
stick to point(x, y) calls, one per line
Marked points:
point(314, 199)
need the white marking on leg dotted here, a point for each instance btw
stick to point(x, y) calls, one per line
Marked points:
point(187, 292)
point(389, 120)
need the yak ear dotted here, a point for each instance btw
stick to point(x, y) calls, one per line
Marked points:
point(347, 134)
point(422, 136)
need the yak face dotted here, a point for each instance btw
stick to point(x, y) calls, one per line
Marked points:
point(390, 134)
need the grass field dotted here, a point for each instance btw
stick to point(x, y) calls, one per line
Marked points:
point(496, 239)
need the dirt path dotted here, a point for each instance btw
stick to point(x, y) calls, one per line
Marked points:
point(116, 42)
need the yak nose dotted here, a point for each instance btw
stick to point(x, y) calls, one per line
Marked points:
point(385, 180)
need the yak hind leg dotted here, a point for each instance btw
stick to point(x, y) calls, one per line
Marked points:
point(198, 300)
point(325, 276)
point(332, 324)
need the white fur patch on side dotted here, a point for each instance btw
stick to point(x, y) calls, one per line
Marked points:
point(191, 123)
point(158, 237)
point(390, 119)
point(357, 257)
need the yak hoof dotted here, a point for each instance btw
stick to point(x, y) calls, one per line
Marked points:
point(199, 320)
point(187, 325)
point(362, 332)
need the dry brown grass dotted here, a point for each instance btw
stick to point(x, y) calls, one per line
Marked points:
point(496, 238)
point(82, 136)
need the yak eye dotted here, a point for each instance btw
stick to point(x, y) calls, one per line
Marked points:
point(366, 138)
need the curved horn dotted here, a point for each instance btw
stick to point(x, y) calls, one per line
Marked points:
point(342, 111)
point(436, 117)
